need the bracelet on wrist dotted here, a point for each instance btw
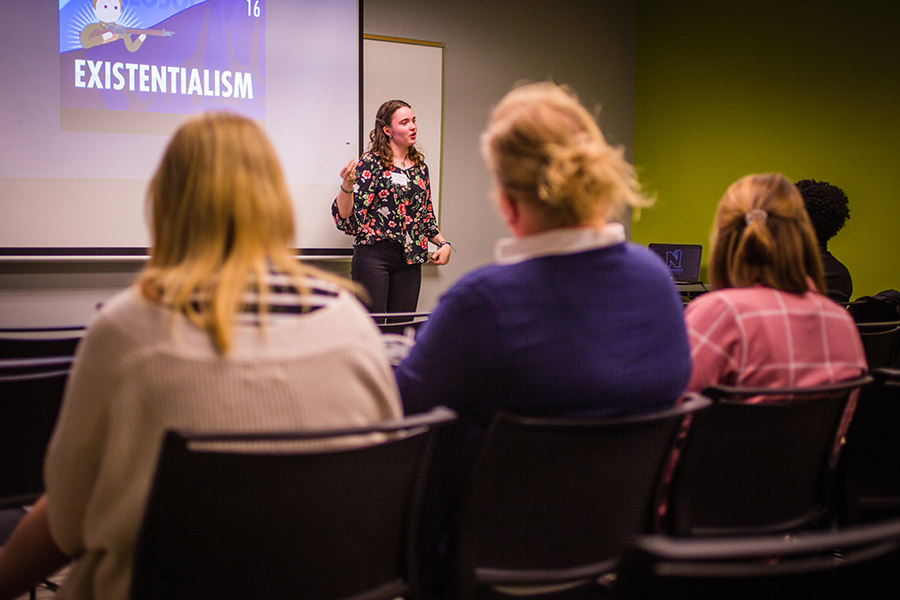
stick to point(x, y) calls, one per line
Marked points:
point(350, 191)
point(445, 243)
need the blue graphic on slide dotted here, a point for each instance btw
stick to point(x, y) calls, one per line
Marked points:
point(77, 15)
point(162, 56)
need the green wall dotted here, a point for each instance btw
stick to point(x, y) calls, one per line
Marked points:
point(723, 90)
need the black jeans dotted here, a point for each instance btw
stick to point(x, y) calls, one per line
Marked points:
point(381, 268)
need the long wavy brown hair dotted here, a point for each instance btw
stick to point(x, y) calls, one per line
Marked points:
point(380, 143)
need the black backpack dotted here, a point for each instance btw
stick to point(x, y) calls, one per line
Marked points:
point(883, 306)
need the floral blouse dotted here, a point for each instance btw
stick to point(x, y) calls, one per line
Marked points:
point(391, 204)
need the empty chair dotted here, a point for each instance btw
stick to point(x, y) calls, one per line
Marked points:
point(33, 373)
point(398, 322)
point(244, 516)
point(33, 376)
point(552, 501)
point(37, 350)
point(29, 404)
point(881, 341)
point(857, 562)
point(761, 467)
point(399, 332)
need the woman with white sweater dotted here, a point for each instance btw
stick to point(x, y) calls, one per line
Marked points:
point(223, 331)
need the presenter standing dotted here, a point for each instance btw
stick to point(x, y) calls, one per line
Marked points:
point(385, 202)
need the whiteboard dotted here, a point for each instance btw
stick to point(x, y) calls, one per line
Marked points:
point(413, 71)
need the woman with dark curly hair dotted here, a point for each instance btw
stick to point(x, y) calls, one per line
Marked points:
point(828, 211)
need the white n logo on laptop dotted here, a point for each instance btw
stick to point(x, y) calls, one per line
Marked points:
point(673, 259)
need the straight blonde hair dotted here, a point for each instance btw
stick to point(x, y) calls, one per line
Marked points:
point(221, 219)
point(762, 235)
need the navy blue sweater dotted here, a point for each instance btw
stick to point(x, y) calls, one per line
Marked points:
point(598, 332)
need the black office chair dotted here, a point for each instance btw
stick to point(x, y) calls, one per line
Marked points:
point(246, 516)
point(859, 562)
point(29, 404)
point(760, 468)
point(870, 464)
point(881, 341)
point(551, 501)
point(33, 373)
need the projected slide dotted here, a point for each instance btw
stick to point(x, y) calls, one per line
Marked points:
point(90, 95)
point(165, 56)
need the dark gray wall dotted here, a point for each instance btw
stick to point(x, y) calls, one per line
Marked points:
point(488, 47)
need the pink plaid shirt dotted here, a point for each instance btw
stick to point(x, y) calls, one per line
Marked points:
point(759, 336)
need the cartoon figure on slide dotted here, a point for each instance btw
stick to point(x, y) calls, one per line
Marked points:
point(106, 30)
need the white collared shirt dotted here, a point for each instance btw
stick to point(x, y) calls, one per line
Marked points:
point(566, 240)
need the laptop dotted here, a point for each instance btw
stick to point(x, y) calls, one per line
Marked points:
point(683, 260)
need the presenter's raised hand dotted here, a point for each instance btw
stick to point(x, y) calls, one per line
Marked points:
point(345, 197)
point(348, 176)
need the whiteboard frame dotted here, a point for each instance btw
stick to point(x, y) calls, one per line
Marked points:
point(420, 82)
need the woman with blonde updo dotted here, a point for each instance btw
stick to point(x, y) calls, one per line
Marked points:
point(768, 324)
point(571, 319)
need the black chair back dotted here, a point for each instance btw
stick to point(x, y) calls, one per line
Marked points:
point(750, 468)
point(39, 342)
point(551, 501)
point(399, 332)
point(881, 341)
point(29, 405)
point(871, 463)
point(34, 367)
point(855, 562)
point(400, 322)
point(228, 518)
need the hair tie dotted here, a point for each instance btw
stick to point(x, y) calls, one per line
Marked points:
point(756, 214)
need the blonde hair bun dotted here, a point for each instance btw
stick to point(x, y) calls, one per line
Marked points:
point(546, 149)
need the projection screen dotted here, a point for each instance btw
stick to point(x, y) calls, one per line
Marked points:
point(91, 94)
